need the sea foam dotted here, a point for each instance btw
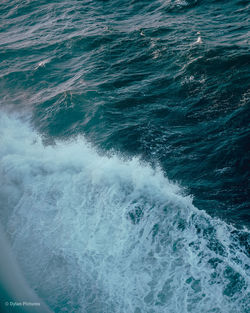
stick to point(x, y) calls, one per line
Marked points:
point(100, 234)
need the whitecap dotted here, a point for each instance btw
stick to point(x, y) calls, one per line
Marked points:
point(101, 234)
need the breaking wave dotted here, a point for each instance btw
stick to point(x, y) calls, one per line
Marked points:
point(101, 234)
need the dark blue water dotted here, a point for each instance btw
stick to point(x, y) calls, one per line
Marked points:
point(125, 152)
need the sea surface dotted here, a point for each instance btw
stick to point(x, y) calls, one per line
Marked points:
point(124, 153)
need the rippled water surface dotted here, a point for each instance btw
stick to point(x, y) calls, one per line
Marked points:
point(124, 160)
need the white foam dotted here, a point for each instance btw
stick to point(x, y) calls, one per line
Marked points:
point(99, 234)
point(42, 63)
point(199, 40)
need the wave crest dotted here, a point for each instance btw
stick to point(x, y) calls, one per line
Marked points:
point(100, 234)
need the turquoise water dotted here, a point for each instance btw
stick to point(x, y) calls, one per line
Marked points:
point(124, 153)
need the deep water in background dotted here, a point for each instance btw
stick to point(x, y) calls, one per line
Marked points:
point(135, 78)
point(163, 82)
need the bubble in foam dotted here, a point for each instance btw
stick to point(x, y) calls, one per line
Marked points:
point(100, 234)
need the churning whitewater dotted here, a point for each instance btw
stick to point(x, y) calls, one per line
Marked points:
point(124, 159)
point(94, 233)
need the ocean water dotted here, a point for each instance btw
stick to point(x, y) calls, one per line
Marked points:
point(124, 153)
